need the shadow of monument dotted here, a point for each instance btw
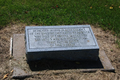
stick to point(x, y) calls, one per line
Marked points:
point(62, 64)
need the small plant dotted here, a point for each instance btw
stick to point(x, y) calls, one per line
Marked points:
point(118, 42)
point(111, 50)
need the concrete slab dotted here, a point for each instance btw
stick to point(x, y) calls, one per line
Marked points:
point(19, 73)
point(42, 66)
point(18, 46)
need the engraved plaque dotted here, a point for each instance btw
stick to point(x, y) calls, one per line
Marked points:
point(60, 37)
point(72, 42)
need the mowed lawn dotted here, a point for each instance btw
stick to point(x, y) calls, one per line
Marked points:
point(105, 13)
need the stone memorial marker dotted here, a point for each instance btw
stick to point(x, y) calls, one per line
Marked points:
point(71, 42)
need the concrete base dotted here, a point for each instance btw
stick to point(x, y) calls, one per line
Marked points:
point(19, 60)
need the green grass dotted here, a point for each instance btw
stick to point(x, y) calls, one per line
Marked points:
point(61, 12)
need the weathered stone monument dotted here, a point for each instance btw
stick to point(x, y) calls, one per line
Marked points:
point(73, 42)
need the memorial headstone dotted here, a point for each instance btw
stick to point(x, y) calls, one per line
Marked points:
point(71, 42)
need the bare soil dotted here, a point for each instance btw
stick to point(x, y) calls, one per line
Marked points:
point(106, 41)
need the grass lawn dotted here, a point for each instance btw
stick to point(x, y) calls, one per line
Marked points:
point(105, 13)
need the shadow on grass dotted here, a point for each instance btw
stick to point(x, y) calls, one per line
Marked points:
point(61, 64)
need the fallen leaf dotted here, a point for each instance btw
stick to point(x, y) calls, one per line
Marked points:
point(119, 6)
point(111, 7)
point(5, 76)
point(112, 4)
point(12, 71)
point(91, 7)
point(57, 6)
point(26, 12)
point(39, 73)
point(105, 5)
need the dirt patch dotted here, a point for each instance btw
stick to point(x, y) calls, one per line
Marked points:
point(105, 40)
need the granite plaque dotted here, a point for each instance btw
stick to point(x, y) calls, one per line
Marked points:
point(73, 42)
